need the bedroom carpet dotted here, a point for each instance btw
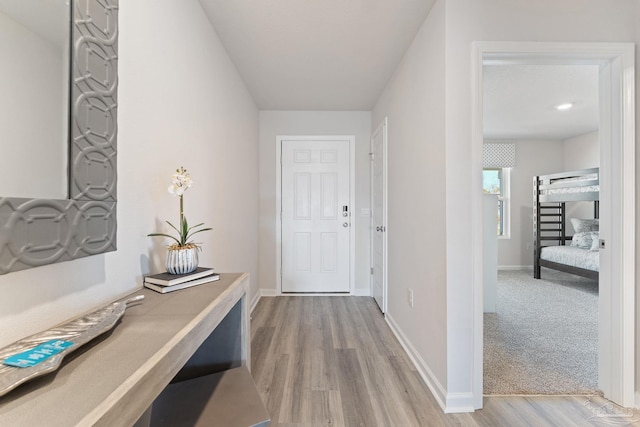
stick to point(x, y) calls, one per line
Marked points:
point(543, 338)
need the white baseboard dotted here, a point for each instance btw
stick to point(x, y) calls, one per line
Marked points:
point(450, 403)
point(256, 298)
point(361, 292)
point(254, 301)
point(427, 376)
point(459, 403)
point(515, 267)
point(268, 292)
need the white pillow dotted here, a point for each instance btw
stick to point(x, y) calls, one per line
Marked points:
point(595, 241)
point(582, 225)
point(582, 240)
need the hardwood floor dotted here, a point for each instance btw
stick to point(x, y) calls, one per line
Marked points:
point(333, 361)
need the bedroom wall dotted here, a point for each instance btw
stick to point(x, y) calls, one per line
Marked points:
point(274, 123)
point(537, 157)
point(533, 157)
point(181, 102)
point(581, 152)
point(414, 102)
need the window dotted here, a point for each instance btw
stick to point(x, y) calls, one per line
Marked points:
point(496, 181)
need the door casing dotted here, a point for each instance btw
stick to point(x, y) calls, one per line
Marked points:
point(617, 305)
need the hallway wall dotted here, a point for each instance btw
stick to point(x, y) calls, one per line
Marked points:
point(274, 123)
point(440, 89)
point(414, 102)
point(181, 103)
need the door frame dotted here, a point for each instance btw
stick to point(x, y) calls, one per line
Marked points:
point(350, 139)
point(383, 128)
point(617, 309)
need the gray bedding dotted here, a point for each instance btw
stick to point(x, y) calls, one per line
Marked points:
point(571, 255)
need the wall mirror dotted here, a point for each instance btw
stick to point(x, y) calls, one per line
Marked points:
point(34, 108)
point(67, 133)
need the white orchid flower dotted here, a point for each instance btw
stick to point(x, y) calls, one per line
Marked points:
point(180, 182)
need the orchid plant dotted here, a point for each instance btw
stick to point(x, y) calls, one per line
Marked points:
point(181, 182)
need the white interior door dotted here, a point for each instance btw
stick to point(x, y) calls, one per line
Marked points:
point(316, 216)
point(379, 216)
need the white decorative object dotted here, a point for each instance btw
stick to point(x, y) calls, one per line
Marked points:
point(182, 260)
point(183, 254)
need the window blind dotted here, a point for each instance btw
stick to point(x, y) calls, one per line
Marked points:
point(498, 155)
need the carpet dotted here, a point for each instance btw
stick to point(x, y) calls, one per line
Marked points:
point(543, 338)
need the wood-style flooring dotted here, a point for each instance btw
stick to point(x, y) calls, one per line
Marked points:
point(333, 361)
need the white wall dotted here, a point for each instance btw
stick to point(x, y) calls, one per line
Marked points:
point(274, 123)
point(414, 102)
point(533, 157)
point(31, 106)
point(443, 333)
point(637, 129)
point(581, 152)
point(181, 103)
point(497, 20)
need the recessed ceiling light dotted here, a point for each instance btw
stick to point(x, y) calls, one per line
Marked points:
point(564, 106)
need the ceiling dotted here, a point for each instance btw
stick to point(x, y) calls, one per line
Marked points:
point(338, 55)
point(334, 55)
point(519, 101)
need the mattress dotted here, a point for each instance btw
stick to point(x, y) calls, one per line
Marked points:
point(563, 189)
point(573, 256)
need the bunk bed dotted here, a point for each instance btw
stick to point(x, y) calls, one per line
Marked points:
point(553, 248)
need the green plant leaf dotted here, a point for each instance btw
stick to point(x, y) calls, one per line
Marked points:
point(198, 231)
point(163, 235)
point(184, 232)
point(173, 226)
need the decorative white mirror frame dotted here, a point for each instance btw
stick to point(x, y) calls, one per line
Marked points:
point(36, 232)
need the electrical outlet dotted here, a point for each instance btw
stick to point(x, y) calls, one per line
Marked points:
point(410, 296)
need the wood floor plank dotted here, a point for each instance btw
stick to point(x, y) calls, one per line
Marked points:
point(261, 344)
point(273, 395)
point(379, 378)
point(356, 403)
point(297, 386)
point(334, 361)
point(344, 337)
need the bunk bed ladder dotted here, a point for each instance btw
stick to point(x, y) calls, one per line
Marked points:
point(549, 227)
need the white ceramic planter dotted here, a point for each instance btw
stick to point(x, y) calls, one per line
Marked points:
point(182, 261)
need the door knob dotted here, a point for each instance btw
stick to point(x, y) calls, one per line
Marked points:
point(346, 224)
point(378, 228)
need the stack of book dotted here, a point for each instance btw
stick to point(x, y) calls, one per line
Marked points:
point(165, 282)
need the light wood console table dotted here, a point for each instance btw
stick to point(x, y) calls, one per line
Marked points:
point(114, 380)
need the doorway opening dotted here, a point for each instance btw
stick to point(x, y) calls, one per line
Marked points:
point(616, 310)
point(540, 333)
